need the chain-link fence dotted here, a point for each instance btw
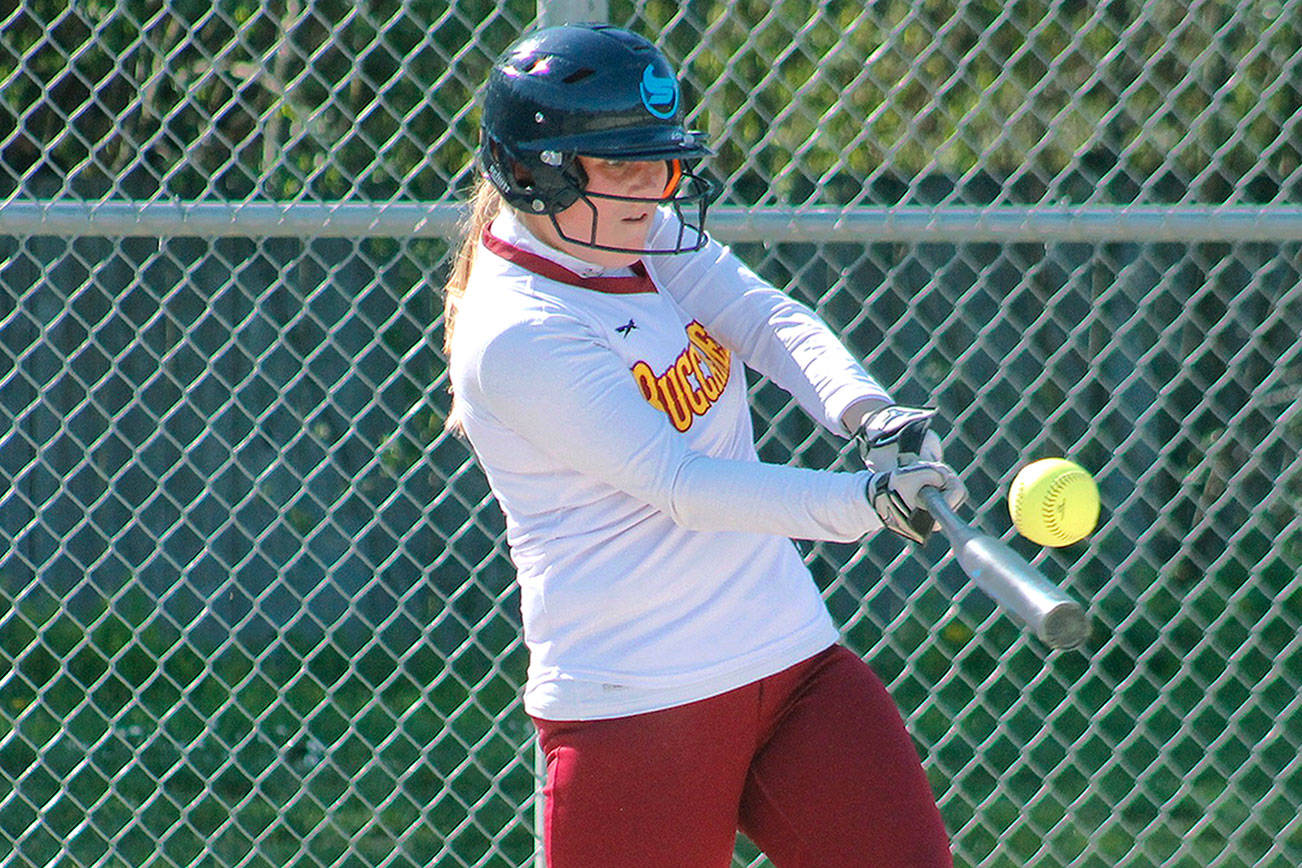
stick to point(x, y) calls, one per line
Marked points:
point(255, 606)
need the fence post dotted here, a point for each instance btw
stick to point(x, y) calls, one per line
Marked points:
point(553, 12)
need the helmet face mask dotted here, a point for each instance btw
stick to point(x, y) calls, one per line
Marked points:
point(593, 91)
point(688, 195)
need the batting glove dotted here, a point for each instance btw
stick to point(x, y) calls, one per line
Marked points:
point(896, 436)
point(895, 496)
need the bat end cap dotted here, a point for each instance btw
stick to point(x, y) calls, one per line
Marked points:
point(1066, 626)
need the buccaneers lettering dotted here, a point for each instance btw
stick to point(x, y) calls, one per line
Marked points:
point(691, 385)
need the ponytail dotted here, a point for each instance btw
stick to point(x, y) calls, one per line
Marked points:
point(485, 203)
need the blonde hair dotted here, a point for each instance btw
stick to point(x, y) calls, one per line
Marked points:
point(485, 204)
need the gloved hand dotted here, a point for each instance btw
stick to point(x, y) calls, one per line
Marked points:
point(894, 494)
point(895, 436)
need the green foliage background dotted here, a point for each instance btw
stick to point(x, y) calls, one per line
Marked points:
point(842, 102)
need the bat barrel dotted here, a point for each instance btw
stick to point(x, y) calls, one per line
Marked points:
point(1010, 581)
point(1020, 588)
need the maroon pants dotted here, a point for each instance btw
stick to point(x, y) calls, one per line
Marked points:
point(813, 764)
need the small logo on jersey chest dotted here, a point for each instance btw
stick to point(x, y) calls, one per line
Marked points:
point(627, 328)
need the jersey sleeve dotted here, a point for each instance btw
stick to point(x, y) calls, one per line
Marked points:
point(773, 333)
point(575, 401)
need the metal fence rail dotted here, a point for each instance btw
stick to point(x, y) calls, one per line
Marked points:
point(905, 224)
point(255, 606)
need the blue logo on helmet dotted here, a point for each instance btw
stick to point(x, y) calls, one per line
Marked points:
point(659, 93)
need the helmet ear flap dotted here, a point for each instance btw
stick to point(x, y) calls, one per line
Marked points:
point(540, 183)
point(498, 167)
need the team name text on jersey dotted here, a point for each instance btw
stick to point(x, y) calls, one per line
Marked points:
point(691, 385)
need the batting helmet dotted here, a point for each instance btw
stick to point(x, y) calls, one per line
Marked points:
point(594, 90)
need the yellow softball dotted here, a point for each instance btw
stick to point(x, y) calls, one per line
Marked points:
point(1054, 502)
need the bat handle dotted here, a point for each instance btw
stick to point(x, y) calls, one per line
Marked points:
point(955, 529)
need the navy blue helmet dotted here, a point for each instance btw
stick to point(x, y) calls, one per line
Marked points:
point(594, 90)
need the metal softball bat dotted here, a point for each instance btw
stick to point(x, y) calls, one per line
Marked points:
point(1015, 585)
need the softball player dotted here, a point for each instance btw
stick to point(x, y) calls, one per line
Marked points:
point(685, 675)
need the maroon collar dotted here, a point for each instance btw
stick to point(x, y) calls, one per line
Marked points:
point(639, 281)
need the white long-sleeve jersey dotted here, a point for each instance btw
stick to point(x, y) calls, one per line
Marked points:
point(608, 411)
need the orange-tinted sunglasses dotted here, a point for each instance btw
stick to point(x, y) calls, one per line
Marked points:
point(675, 178)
